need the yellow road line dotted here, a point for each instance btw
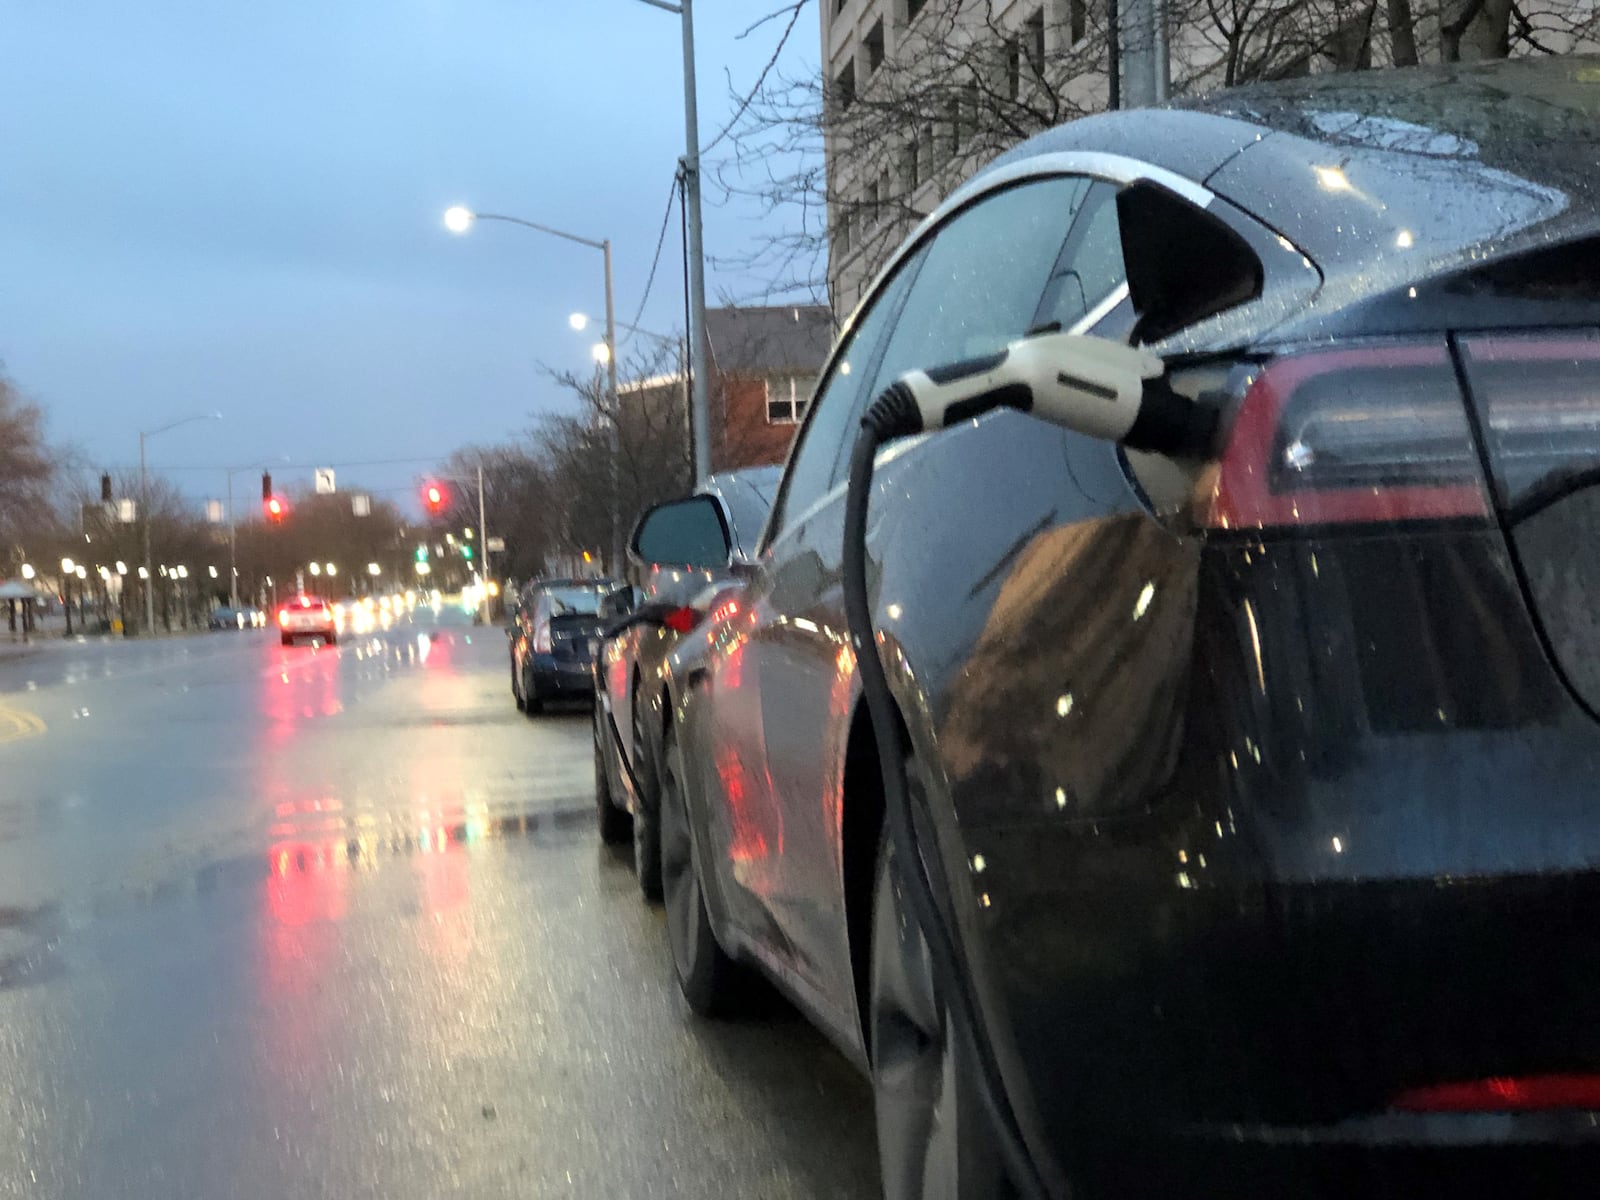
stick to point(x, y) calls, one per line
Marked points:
point(16, 726)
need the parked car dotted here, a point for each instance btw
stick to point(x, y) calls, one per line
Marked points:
point(1258, 788)
point(308, 616)
point(554, 634)
point(691, 569)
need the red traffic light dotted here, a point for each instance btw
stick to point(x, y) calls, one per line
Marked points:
point(434, 496)
point(274, 508)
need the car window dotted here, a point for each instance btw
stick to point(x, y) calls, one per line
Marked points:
point(747, 503)
point(983, 278)
point(811, 466)
point(569, 600)
point(1090, 267)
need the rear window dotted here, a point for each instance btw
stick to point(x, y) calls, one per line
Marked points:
point(574, 601)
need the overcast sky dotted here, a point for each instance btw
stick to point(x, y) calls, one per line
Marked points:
point(219, 205)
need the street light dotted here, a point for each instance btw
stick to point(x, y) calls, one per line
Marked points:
point(316, 568)
point(144, 505)
point(458, 219)
point(331, 569)
point(27, 571)
point(68, 570)
point(374, 569)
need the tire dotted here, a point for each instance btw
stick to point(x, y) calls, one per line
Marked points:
point(288, 639)
point(615, 825)
point(330, 638)
point(516, 687)
point(934, 1138)
point(712, 983)
point(531, 703)
point(646, 814)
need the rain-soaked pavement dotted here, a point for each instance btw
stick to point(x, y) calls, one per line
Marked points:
point(311, 922)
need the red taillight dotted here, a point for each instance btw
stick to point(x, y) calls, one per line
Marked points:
point(283, 616)
point(542, 643)
point(682, 620)
point(1527, 1093)
point(1370, 434)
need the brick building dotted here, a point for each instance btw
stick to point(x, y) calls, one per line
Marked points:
point(764, 364)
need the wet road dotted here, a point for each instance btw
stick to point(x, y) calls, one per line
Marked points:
point(312, 922)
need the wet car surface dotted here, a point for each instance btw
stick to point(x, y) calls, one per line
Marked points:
point(333, 922)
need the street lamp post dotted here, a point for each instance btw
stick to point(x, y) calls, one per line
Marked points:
point(697, 267)
point(68, 570)
point(459, 220)
point(144, 507)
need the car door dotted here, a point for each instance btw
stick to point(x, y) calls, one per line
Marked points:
point(748, 824)
point(977, 288)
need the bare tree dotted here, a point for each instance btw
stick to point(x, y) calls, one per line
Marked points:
point(27, 470)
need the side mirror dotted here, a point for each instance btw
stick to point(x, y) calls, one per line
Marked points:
point(682, 533)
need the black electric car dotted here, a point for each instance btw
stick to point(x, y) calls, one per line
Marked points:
point(1262, 785)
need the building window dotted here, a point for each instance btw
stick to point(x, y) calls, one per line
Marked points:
point(845, 87)
point(786, 399)
point(841, 234)
point(1077, 20)
point(913, 7)
point(927, 157)
point(1013, 68)
point(957, 134)
point(874, 47)
point(910, 166)
point(1033, 36)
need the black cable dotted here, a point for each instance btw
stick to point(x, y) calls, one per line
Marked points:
point(894, 414)
point(661, 240)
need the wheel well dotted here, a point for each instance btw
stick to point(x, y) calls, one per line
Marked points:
point(861, 829)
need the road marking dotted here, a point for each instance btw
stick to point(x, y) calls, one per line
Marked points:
point(16, 726)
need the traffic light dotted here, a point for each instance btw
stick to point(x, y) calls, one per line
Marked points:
point(275, 508)
point(466, 551)
point(434, 497)
point(105, 488)
point(266, 487)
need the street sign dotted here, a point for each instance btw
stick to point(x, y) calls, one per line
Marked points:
point(127, 511)
point(214, 512)
point(324, 477)
point(360, 504)
point(495, 545)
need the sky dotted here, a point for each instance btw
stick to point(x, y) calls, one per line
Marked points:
point(237, 208)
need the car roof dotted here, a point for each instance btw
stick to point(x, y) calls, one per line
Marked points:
point(1381, 178)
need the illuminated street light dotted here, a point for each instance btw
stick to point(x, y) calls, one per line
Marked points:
point(423, 568)
point(122, 567)
point(601, 352)
point(331, 569)
point(68, 567)
point(27, 571)
point(458, 218)
point(144, 572)
point(213, 571)
point(579, 321)
point(316, 568)
point(82, 572)
point(374, 569)
point(183, 572)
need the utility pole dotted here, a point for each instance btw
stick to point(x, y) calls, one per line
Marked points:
point(149, 570)
point(697, 261)
point(1141, 32)
point(483, 519)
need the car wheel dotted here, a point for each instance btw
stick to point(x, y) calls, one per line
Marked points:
point(288, 639)
point(712, 982)
point(646, 814)
point(516, 687)
point(933, 1135)
point(531, 703)
point(330, 638)
point(615, 825)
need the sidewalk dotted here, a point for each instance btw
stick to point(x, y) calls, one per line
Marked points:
point(50, 634)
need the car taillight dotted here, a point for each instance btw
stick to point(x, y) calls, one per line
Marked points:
point(541, 639)
point(1527, 1093)
point(283, 616)
point(1538, 398)
point(1368, 434)
point(682, 620)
